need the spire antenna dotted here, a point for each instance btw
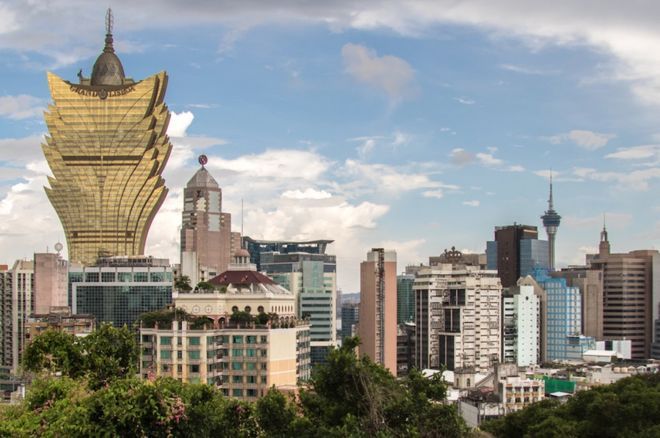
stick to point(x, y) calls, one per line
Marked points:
point(109, 21)
point(242, 215)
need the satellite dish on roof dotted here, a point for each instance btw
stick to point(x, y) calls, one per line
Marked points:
point(58, 247)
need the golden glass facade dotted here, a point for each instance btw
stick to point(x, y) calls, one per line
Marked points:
point(107, 149)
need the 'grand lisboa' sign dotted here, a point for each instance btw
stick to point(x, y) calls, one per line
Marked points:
point(101, 93)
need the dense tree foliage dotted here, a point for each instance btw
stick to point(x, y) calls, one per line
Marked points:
point(165, 317)
point(629, 407)
point(349, 396)
point(356, 397)
point(107, 353)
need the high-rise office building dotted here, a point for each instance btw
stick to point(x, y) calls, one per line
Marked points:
point(350, 317)
point(405, 298)
point(206, 238)
point(564, 340)
point(107, 147)
point(631, 294)
point(118, 290)
point(590, 283)
point(312, 278)
point(551, 220)
point(377, 328)
point(522, 323)
point(16, 289)
point(516, 252)
point(458, 317)
point(256, 247)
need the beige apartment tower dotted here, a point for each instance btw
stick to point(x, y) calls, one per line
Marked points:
point(107, 147)
point(377, 328)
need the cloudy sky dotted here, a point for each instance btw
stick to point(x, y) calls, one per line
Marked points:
point(416, 125)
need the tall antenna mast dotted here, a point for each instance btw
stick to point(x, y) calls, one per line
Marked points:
point(242, 216)
point(109, 21)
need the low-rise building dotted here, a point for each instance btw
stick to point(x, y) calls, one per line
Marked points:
point(59, 318)
point(517, 393)
point(243, 361)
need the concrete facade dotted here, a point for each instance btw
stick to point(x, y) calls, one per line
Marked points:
point(50, 282)
point(377, 327)
point(458, 317)
point(522, 323)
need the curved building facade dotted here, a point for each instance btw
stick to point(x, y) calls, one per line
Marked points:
point(107, 148)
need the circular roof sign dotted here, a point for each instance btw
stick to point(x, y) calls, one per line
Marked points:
point(203, 159)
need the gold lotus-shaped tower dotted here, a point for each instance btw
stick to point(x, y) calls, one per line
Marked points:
point(107, 149)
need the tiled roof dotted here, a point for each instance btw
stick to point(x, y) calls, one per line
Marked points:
point(240, 277)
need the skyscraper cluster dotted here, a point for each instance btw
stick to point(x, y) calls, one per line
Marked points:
point(265, 310)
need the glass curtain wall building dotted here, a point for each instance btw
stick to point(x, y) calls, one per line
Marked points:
point(119, 289)
point(313, 280)
point(564, 340)
point(405, 298)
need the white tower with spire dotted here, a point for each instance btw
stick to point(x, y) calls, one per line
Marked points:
point(551, 220)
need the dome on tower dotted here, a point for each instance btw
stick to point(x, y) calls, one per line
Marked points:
point(107, 68)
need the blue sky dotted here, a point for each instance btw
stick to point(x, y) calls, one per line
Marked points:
point(417, 126)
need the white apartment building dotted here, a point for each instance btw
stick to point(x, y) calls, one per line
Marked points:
point(522, 323)
point(458, 317)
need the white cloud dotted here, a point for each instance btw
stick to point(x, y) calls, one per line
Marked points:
point(585, 139)
point(20, 151)
point(308, 193)
point(527, 70)
point(179, 123)
point(275, 163)
point(465, 100)
point(650, 153)
point(21, 107)
point(473, 203)
point(637, 180)
point(489, 160)
point(383, 178)
point(388, 73)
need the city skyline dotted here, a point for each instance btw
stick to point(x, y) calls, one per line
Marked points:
point(380, 128)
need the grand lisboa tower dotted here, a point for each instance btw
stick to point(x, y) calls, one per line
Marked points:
point(107, 148)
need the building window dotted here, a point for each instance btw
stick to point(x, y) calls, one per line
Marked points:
point(193, 340)
point(264, 379)
point(251, 339)
point(125, 277)
point(193, 355)
point(251, 392)
point(237, 352)
point(264, 352)
point(237, 340)
point(237, 379)
point(237, 392)
point(251, 366)
point(107, 277)
point(194, 368)
point(248, 309)
point(179, 354)
point(264, 366)
point(91, 277)
point(250, 352)
point(237, 366)
point(166, 340)
point(264, 339)
point(251, 379)
point(165, 354)
point(141, 277)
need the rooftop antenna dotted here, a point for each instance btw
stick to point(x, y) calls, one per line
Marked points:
point(109, 21)
point(242, 217)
